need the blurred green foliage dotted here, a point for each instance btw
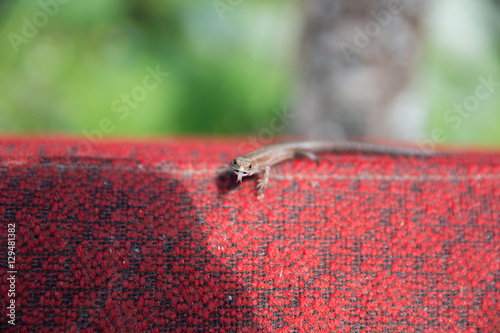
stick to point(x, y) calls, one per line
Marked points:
point(462, 49)
point(228, 67)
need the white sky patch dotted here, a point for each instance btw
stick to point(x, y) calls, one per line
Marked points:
point(457, 26)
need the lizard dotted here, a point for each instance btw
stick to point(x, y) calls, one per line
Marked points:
point(262, 159)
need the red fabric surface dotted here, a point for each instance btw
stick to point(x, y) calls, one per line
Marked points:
point(145, 236)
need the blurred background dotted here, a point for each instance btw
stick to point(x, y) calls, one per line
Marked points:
point(401, 70)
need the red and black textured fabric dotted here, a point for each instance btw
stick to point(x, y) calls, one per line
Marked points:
point(147, 236)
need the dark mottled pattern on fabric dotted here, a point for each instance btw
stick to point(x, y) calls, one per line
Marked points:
point(144, 236)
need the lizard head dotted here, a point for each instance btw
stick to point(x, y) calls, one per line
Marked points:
point(242, 166)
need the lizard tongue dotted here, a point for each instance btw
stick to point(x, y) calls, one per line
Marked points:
point(240, 176)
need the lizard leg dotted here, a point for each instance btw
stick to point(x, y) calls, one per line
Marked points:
point(263, 182)
point(307, 154)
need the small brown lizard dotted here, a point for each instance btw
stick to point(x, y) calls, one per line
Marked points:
point(262, 159)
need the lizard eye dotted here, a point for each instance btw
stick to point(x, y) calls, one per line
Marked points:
point(250, 166)
point(233, 162)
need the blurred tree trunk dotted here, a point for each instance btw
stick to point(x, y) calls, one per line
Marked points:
point(357, 62)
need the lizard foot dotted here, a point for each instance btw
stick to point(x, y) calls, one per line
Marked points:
point(262, 185)
point(307, 154)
